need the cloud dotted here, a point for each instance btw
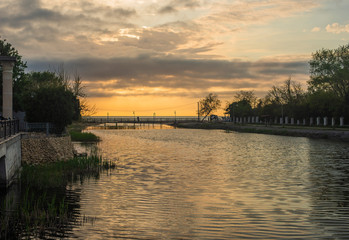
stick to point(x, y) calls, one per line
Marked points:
point(116, 76)
point(177, 5)
point(337, 28)
point(316, 29)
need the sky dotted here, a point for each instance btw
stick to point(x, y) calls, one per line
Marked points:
point(163, 56)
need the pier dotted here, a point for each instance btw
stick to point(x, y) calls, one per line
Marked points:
point(140, 120)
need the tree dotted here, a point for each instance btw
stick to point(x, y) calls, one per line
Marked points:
point(329, 71)
point(241, 108)
point(19, 80)
point(247, 96)
point(50, 103)
point(208, 105)
point(289, 95)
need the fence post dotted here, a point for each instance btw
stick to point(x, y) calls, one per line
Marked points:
point(47, 129)
point(341, 121)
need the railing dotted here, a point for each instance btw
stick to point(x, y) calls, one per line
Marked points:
point(138, 119)
point(40, 127)
point(8, 128)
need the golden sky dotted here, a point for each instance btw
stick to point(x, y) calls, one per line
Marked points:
point(164, 56)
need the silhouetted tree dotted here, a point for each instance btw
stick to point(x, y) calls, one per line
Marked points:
point(329, 71)
point(209, 104)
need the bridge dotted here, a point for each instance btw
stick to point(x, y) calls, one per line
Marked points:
point(140, 120)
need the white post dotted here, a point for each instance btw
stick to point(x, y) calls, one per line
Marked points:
point(7, 64)
point(318, 121)
point(341, 121)
point(325, 121)
point(281, 121)
point(257, 119)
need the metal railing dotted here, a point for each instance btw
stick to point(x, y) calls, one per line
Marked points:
point(8, 128)
point(45, 127)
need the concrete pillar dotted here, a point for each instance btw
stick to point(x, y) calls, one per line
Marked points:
point(286, 120)
point(281, 120)
point(318, 121)
point(333, 122)
point(341, 121)
point(7, 64)
point(304, 121)
point(257, 119)
point(298, 122)
point(325, 121)
point(292, 121)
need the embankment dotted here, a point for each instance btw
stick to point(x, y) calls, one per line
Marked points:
point(315, 132)
point(39, 149)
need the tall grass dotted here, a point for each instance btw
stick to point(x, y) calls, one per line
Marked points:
point(42, 206)
point(83, 136)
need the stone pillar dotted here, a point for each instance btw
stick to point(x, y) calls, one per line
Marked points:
point(298, 122)
point(304, 121)
point(333, 122)
point(318, 121)
point(325, 121)
point(341, 121)
point(7, 64)
point(257, 119)
point(281, 120)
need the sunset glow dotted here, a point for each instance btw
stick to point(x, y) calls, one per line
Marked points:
point(164, 56)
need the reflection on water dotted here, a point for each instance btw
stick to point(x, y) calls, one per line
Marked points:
point(136, 125)
point(208, 184)
point(184, 184)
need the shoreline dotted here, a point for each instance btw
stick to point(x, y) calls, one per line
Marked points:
point(339, 134)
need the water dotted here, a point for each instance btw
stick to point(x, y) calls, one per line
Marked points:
point(212, 184)
point(199, 184)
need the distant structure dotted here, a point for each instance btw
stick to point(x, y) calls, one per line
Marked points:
point(7, 64)
point(10, 142)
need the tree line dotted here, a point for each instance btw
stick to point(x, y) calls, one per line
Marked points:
point(327, 93)
point(48, 96)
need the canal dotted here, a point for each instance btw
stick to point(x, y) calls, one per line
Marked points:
point(212, 184)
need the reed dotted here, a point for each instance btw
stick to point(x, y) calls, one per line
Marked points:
point(83, 136)
point(42, 204)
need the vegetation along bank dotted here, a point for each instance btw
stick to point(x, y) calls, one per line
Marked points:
point(311, 132)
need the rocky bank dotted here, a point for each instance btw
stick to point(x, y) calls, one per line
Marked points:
point(39, 148)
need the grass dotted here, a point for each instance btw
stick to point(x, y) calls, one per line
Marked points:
point(83, 136)
point(76, 134)
point(41, 206)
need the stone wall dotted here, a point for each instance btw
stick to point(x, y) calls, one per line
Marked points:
point(10, 159)
point(38, 148)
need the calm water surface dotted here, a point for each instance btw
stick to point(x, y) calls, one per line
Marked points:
point(200, 184)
